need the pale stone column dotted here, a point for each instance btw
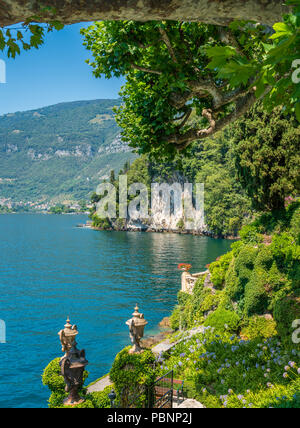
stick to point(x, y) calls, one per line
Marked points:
point(184, 281)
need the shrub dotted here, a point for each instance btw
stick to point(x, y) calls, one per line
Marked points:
point(295, 226)
point(259, 327)
point(100, 400)
point(175, 318)
point(52, 377)
point(130, 373)
point(236, 247)
point(219, 268)
point(249, 234)
point(101, 223)
point(284, 249)
point(256, 297)
point(223, 320)
point(210, 302)
point(264, 258)
point(180, 225)
point(54, 380)
point(244, 264)
point(233, 287)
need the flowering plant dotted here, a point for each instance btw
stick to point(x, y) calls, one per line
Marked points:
point(184, 266)
point(228, 372)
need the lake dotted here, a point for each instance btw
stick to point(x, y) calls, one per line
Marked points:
point(49, 269)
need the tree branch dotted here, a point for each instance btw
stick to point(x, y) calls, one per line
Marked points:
point(168, 43)
point(207, 86)
point(145, 69)
point(181, 141)
point(186, 118)
point(228, 38)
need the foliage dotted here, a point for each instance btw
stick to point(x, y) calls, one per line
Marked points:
point(52, 377)
point(259, 327)
point(130, 374)
point(223, 320)
point(256, 295)
point(5, 210)
point(249, 234)
point(101, 223)
point(54, 380)
point(185, 81)
point(266, 152)
point(226, 206)
point(228, 372)
point(286, 311)
point(219, 268)
point(57, 153)
point(29, 35)
point(259, 277)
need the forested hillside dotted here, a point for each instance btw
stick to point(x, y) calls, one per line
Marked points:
point(250, 167)
point(59, 152)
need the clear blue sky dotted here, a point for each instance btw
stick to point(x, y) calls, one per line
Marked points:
point(54, 73)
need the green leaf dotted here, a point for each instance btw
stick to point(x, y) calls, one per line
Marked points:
point(221, 51)
point(282, 30)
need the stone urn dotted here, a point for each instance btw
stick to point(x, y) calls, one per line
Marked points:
point(72, 364)
point(136, 330)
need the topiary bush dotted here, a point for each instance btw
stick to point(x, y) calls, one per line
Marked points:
point(130, 373)
point(233, 286)
point(223, 320)
point(265, 258)
point(218, 270)
point(256, 296)
point(244, 263)
point(54, 380)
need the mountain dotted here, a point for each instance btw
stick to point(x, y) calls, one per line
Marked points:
point(61, 152)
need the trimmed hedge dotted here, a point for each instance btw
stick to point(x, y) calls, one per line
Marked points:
point(223, 320)
point(55, 382)
point(130, 373)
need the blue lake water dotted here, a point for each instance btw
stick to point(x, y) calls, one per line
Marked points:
point(50, 269)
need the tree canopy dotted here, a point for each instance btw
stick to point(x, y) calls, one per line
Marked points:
point(267, 157)
point(186, 81)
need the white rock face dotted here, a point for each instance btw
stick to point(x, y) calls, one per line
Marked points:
point(117, 146)
point(172, 209)
point(62, 153)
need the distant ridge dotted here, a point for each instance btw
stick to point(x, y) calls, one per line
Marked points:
point(59, 152)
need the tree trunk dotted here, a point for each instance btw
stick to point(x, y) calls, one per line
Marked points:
point(219, 12)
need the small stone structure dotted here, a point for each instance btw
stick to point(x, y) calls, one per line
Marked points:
point(136, 330)
point(189, 280)
point(72, 364)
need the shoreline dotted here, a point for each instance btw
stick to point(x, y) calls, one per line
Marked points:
point(151, 230)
